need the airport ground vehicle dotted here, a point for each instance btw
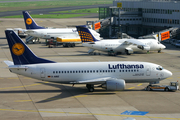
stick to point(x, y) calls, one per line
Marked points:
point(172, 87)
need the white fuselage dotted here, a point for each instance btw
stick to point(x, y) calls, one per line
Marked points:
point(131, 72)
point(66, 33)
point(118, 45)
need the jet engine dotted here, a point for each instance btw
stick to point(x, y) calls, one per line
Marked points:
point(143, 47)
point(115, 84)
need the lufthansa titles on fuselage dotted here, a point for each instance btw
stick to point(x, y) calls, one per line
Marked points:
point(124, 66)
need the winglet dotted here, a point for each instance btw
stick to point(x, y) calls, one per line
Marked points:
point(85, 34)
point(20, 53)
point(29, 22)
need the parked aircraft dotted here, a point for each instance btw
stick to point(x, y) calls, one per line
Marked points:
point(110, 75)
point(114, 46)
point(68, 36)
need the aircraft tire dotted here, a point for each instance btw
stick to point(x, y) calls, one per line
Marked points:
point(91, 89)
point(126, 51)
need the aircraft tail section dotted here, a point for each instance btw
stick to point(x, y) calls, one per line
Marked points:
point(85, 34)
point(20, 53)
point(29, 22)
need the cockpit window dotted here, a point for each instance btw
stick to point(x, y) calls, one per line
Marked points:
point(159, 68)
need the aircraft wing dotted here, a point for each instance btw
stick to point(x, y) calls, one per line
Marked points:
point(139, 44)
point(92, 81)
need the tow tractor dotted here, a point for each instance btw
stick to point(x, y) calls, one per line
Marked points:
point(174, 86)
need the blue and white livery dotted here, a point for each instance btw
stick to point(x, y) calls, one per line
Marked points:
point(110, 75)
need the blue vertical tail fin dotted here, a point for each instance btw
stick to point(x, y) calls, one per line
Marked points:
point(29, 22)
point(20, 53)
point(85, 34)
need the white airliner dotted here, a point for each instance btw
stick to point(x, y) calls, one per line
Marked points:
point(114, 46)
point(109, 75)
point(69, 36)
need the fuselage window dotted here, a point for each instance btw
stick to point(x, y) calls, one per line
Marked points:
point(93, 71)
point(126, 70)
point(100, 71)
point(53, 71)
point(114, 70)
point(90, 71)
point(134, 70)
point(84, 71)
point(64, 71)
point(137, 70)
point(97, 71)
point(122, 70)
point(129, 70)
point(108, 70)
point(73, 71)
point(119, 70)
point(59, 71)
point(111, 70)
point(56, 71)
point(87, 71)
point(79, 71)
point(76, 71)
point(70, 71)
point(67, 71)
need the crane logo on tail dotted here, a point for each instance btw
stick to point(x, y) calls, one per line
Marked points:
point(29, 21)
point(18, 49)
point(85, 37)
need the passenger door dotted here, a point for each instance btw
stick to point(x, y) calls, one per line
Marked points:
point(148, 71)
point(42, 72)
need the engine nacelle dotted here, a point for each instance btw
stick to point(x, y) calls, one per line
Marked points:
point(130, 50)
point(115, 84)
point(143, 47)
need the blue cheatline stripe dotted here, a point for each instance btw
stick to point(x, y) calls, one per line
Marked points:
point(134, 113)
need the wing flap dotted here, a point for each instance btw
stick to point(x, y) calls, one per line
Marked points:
point(92, 81)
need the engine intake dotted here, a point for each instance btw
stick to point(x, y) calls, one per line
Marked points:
point(143, 47)
point(115, 84)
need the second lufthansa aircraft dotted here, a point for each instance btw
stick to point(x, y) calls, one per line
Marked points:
point(114, 46)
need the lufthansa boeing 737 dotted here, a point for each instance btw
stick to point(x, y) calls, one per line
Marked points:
point(114, 46)
point(109, 75)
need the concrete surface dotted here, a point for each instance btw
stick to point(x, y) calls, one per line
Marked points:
point(25, 98)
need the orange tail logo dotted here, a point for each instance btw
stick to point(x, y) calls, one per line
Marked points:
point(29, 21)
point(18, 49)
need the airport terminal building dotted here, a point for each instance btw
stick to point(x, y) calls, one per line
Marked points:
point(140, 17)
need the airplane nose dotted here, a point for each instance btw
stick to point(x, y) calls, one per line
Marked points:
point(163, 47)
point(168, 73)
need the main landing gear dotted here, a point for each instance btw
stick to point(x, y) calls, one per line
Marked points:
point(90, 87)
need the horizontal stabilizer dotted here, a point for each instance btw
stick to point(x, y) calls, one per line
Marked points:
point(9, 63)
point(18, 67)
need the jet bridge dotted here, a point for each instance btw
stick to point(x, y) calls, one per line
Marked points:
point(96, 25)
point(163, 35)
